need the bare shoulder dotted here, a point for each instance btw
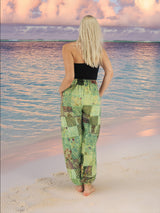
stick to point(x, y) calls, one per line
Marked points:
point(65, 47)
point(104, 52)
point(68, 45)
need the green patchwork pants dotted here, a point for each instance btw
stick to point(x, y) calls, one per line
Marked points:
point(80, 127)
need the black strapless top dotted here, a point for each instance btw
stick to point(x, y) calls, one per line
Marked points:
point(84, 71)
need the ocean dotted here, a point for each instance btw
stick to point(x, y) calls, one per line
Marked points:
point(32, 71)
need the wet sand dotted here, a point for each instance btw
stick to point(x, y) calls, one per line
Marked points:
point(128, 175)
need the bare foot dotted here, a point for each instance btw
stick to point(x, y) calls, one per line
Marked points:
point(79, 188)
point(88, 189)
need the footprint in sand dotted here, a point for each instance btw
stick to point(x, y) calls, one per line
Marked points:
point(63, 187)
point(43, 192)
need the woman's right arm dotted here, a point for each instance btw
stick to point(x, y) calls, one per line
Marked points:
point(69, 68)
point(108, 72)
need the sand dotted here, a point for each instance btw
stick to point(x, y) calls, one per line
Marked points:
point(128, 177)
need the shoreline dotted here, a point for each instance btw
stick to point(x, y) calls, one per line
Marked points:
point(128, 173)
point(112, 152)
point(50, 146)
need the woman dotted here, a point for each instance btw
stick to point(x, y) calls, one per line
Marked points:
point(81, 102)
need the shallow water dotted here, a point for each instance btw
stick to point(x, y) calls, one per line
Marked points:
point(31, 73)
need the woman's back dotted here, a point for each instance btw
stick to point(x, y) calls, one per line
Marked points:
point(81, 69)
point(76, 52)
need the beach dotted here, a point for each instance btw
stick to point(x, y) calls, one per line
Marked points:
point(33, 173)
point(128, 174)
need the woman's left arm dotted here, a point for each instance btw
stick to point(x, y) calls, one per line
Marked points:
point(69, 68)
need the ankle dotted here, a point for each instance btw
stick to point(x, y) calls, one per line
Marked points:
point(88, 185)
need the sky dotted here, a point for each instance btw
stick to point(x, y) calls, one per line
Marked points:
point(60, 19)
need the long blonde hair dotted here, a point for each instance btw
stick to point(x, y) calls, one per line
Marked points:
point(90, 40)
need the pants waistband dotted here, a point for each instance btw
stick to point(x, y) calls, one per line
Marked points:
point(84, 81)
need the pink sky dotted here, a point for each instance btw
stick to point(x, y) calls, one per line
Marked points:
point(69, 12)
point(111, 13)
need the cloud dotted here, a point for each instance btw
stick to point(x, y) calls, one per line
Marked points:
point(144, 13)
point(145, 5)
point(17, 11)
point(55, 12)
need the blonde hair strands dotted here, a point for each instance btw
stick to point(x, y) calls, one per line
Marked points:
point(90, 40)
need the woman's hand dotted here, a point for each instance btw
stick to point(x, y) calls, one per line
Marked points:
point(100, 94)
point(60, 92)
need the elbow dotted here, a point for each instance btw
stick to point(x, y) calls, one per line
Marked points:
point(112, 74)
point(109, 73)
point(69, 79)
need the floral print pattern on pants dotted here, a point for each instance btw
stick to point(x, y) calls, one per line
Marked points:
point(80, 128)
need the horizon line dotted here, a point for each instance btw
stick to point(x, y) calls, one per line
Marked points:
point(62, 40)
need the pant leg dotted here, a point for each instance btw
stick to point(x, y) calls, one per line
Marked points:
point(91, 128)
point(71, 119)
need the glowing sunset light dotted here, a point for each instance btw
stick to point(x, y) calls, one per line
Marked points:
point(145, 4)
point(26, 15)
point(148, 132)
